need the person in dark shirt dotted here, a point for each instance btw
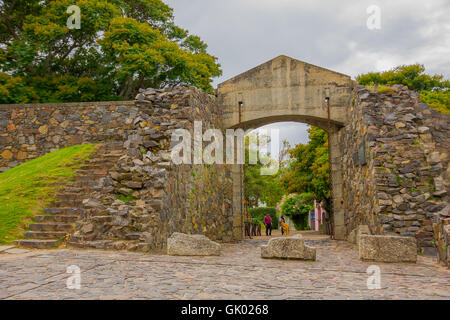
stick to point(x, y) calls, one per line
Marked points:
point(268, 223)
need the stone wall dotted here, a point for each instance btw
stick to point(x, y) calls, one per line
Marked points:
point(395, 164)
point(145, 197)
point(163, 197)
point(393, 155)
point(30, 131)
point(197, 197)
point(441, 229)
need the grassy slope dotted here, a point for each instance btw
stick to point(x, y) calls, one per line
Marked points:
point(26, 189)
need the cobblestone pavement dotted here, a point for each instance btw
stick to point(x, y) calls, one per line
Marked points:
point(239, 273)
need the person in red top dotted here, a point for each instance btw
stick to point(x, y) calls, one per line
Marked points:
point(268, 223)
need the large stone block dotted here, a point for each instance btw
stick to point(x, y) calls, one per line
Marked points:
point(361, 230)
point(181, 244)
point(441, 229)
point(288, 248)
point(387, 248)
point(353, 236)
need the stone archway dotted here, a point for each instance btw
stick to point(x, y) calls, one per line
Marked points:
point(286, 89)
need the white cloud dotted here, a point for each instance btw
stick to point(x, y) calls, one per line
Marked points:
point(434, 57)
point(332, 34)
point(294, 132)
point(328, 33)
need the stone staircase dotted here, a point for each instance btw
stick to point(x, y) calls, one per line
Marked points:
point(58, 223)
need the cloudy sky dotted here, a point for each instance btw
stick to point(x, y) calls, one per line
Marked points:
point(328, 33)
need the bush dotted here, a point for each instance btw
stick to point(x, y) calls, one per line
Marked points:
point(413, 76)
point(438, 100)
point(259, 213)
point(386, 90)
point(297, 207)
point(434, 89)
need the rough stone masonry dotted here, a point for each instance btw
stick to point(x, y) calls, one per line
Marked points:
point(159, 197)
point(395, 166)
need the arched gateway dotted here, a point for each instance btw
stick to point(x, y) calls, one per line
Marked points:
point(388, 154)
point(286, 89)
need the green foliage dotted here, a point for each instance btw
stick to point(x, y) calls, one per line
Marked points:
point(25, 190)
point(297, 207)
point(438, 100)
point(257, 187)
point(309, 169)
point(433, 89)
point(259, 213)
point(412, 76)
point(125, 198)
point(121, 46)
point(297, 204)
point(261, 188)
point(386, 90)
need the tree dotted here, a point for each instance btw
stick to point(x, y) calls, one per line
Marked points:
point(254, 184)
point(309, 169)
point(284, 154)
point(122, 45)
point(260, 188)
point(274, 189)
point(433, 89)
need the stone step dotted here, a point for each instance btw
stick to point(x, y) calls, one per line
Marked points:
point(64, 211)
point(56, 219)
point(93, 173)
point(100, 244)
point(73, 190)
point(70, 196)
point(45, 235)
point(86, 178)
point(99, 161)
point(84, 191)
point(132, 245)
point(111, 150)
point(83, 184)
point(114, 150)
point(37, 244)
point(109, 156)
point(113, 145)
point(51, 227)
point(108, 137)
point(77, 239)
point(101, 165)
point(66, 203)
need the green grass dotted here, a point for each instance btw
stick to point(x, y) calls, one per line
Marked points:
point(27, 189)
point(382, 88)
point(439, 100)
point(125, 198)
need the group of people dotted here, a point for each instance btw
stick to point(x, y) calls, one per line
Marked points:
point(268, 224)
